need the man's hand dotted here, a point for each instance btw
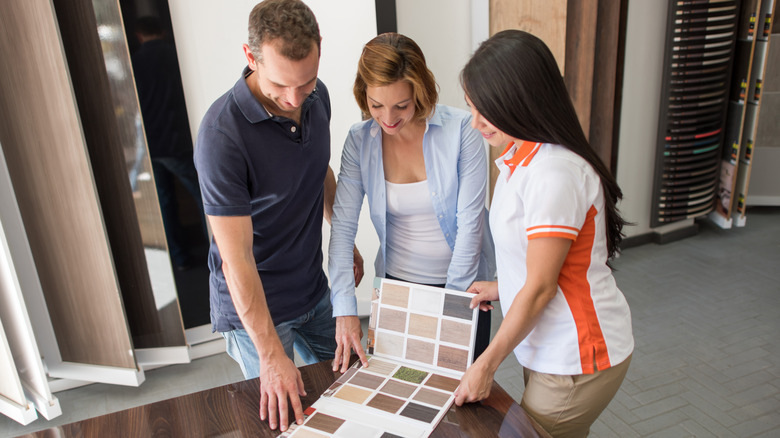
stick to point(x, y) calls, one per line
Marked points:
point(484, 291)
point(357, 266)
point(280, 380)
point(348, 336)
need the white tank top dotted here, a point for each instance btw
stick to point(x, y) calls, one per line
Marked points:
point(416, 249)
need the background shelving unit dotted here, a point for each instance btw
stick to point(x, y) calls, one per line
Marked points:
point(697, 69)
point(744, 115)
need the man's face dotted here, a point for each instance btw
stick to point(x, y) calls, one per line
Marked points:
point(279, 82)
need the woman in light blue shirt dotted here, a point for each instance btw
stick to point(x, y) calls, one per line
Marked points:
point(424, 171)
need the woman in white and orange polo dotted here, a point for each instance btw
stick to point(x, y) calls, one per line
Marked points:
point(555, 226)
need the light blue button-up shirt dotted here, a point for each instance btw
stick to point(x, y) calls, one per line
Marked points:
point(456, 169)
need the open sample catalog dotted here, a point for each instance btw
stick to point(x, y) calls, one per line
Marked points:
point(420, 342)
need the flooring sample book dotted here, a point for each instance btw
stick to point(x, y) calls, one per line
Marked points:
point(420, 342)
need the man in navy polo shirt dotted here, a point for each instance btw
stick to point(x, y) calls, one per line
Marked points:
point(262, 156)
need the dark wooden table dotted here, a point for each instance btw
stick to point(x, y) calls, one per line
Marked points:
point(232, 411)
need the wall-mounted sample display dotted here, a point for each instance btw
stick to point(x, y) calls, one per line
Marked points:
point(698, 59)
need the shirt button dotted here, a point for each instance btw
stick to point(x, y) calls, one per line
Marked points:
point(433, 193)
point(293, 129)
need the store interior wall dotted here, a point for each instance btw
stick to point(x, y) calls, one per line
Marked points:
point(209, 35)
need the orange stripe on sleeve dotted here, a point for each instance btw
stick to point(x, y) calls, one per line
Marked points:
point(569, 236)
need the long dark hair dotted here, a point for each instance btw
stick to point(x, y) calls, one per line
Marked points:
point(514, 82)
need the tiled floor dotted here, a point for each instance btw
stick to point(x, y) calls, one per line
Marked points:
point(706, 314)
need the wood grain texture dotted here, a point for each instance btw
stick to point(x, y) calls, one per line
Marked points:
point(395, 295)
point(353, 394)
point(420, 412)
point(436, 398)
point(398, 389)
point(389, 345)
point(391, 319)
point(386, 403)
point(455, 332)
point(366, 380)
point(41, 136)
point(441, 382)
point(108, 106)
point(424, 326)
point(545, 19)
point(458, 307)
point(420, 351)
point(325, 423)
point(231, 410)
point(452, 358)
point(380, 367)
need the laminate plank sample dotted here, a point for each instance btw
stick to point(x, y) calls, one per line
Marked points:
point(431, 397)
point(41, 136)
point(391, 319)
point(323, 422)
point(366, 380)
point(441, 382)
point(386, 403)
point(419, 412)
point(395, 295)
point(420, 351)
point(458, 307)
point(453, 358)
point(455, 332)
point(399, 389)
point(424, 326)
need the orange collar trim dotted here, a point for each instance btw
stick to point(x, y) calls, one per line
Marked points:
point(523, 155)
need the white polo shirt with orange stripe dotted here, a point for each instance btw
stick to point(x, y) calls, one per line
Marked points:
point(546, 190)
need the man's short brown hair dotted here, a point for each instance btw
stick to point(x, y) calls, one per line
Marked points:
point(288, 23)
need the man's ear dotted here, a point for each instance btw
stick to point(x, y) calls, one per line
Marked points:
point(250, 57)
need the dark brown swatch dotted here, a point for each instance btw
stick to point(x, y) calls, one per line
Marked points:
point(398, 389)
point(367, 380)
point(443, 383)
point(325, 423)
point(419, 412)
point(457, 307)
point(386, 403)
point(390, 435)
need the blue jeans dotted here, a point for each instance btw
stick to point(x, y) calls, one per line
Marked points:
point(313, 335)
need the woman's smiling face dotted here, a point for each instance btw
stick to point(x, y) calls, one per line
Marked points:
point(392, 106)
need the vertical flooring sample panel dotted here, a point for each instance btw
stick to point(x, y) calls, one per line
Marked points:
point(13, 404)
point(108, 109)
point(13, 309)
point(41, 136)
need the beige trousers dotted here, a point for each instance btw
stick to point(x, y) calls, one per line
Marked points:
point(566, 406)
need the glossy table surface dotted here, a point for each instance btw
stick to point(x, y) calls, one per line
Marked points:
point(232, 411)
